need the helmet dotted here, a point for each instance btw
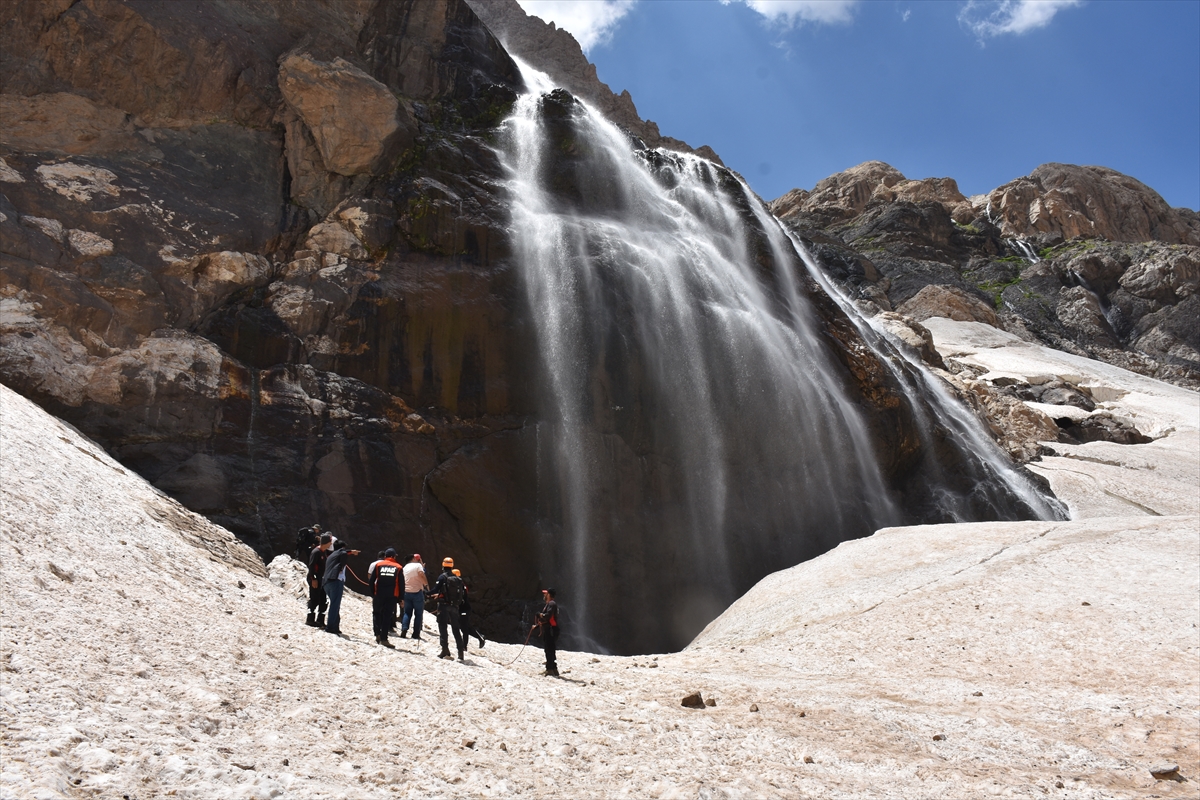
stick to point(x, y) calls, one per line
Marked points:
point(447, 562)
point(457, 574)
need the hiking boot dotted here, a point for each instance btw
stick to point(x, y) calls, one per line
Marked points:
point(417, 636)
point(551, 672)
point(311, 619)
point(462, 655)
point(479, 636)
point(320, 623)
point(446, 654)
point(404, 635)
point(383, 641)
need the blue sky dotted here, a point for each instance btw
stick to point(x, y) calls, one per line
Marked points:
point(790, 91)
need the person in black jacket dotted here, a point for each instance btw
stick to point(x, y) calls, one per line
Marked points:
point(547, 623)
point(449, 592)
point(307, 539)
point(335, 584)
point(464, 616)
point(386, 580)
point(317, 599)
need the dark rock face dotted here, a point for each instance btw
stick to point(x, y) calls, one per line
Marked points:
point(240, 298)
point(1083, 259)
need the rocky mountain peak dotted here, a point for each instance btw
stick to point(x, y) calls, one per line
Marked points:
point(847, 194)
point(1063, 201)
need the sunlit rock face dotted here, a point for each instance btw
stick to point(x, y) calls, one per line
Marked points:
point(1083, 259)
point(280, 313)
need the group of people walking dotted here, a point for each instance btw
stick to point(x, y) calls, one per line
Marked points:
point(403, 587)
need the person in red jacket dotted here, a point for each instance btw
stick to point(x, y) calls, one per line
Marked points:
point(387, 578)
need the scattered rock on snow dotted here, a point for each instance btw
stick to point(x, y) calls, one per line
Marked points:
point(1164, 771)
point(693, 700)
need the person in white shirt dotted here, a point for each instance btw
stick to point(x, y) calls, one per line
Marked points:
point(415, 584)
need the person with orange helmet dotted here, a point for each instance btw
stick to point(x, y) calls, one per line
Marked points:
point(449, 591)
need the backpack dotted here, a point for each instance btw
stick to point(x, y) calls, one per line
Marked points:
point(454, 591)
point(305, 541)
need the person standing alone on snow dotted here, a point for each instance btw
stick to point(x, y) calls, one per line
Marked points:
point(415, 584)
point(449, 592)
point(335, 584)
point(547, 623)
point(317, 599)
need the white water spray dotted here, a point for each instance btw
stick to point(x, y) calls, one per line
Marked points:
point(698, 428)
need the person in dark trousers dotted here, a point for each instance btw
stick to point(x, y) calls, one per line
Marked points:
point(547, 623)
point(415, 584)
point(318, 601)
point(464, 616)
point(335, 584)
point(449, 593)
point(386, 580)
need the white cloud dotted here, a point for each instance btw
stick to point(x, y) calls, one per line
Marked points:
point(790, 13)
point(591, 22)
point(987, 19)
point(905, 15)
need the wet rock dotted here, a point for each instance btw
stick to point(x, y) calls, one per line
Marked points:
point(912, 335)
point(693, 700)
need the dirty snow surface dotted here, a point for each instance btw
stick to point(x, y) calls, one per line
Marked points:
point(146, 653)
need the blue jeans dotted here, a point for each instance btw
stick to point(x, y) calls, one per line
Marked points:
point(414, 605)
point(334, 589)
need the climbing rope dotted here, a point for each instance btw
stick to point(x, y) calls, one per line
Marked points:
point(522, 650)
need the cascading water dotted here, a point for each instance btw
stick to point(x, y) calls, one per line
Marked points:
point(709, 413)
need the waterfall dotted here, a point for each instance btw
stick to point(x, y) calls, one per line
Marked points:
point(709, 412)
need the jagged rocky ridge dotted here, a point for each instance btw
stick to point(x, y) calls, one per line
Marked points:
point(1084, 259)
point(270, 271)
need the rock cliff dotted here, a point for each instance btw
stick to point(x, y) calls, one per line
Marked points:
point(1083, 259)
point(257, 252)
point(261, 254)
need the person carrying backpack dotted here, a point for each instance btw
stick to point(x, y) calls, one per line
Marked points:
point(547, 624)
point(317, 599)
point(464, 616)
point(306, 540)
point(449, 591)
point(386, 580)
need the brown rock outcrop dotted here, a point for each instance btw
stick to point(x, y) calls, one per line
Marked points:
point(1064, 201)
point(353, 118)
point(947, 301)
